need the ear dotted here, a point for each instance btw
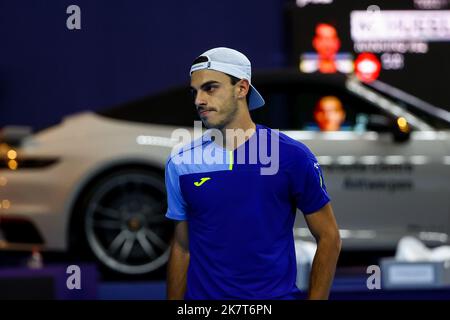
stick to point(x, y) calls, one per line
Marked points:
point(242, 88)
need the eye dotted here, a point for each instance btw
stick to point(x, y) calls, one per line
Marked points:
point(193, 93)
point(210, 88)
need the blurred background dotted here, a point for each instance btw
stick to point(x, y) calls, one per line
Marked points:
point(91, 91)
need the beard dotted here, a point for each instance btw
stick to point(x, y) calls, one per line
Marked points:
point(219, 124)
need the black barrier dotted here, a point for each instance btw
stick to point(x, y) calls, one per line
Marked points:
point(278, 309)
point(56, 282)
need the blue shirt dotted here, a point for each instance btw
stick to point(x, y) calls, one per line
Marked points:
point(240, 222)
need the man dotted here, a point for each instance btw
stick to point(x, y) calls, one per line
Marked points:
point(329, 113)
point(234, 231)
point(326, 42)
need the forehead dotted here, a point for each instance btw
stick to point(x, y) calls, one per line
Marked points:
point(202, 76)
point(330, 106)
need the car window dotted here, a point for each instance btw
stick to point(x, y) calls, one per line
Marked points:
point(318, 108)
point(437, 117)
point(174, 107)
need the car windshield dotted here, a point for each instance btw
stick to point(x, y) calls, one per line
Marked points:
point(292, 103)
point(319, 104)
point(173, 107)
point(437, 117)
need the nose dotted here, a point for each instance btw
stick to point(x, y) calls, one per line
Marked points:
point(200, 98)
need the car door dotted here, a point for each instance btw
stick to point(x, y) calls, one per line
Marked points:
point(381, 189)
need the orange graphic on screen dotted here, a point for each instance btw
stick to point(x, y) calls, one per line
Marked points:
point(368, 67)
point(329, 113)
point(326, 58)
point(327, 44)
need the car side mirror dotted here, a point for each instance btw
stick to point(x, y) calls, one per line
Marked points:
point(401, 131)
point(398, 127)
point(14, 135)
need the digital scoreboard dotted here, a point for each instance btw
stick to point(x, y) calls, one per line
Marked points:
point(404, 43)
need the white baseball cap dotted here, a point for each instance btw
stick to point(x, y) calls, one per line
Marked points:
point(233, 63)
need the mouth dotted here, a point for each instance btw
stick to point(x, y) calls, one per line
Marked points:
point(204, 113)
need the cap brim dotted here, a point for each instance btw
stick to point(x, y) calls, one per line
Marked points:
point(255, 100)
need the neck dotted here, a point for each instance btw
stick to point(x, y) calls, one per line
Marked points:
point(239, 129)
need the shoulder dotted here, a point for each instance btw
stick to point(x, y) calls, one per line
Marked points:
point(289, 148)
point(185, 150)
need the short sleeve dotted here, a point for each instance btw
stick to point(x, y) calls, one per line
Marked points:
point(176, 209)
point(308, 184)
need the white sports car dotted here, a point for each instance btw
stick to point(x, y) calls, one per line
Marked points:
point(95, 182)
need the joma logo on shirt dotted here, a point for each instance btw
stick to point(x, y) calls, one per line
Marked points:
point(202, 181)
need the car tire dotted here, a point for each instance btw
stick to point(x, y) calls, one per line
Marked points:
point(120, 222)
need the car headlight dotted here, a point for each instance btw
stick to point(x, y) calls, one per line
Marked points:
point(10, 159)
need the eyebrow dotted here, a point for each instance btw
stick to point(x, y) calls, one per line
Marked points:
point(207, 83)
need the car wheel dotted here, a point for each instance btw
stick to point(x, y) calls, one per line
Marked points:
point(124, 224)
